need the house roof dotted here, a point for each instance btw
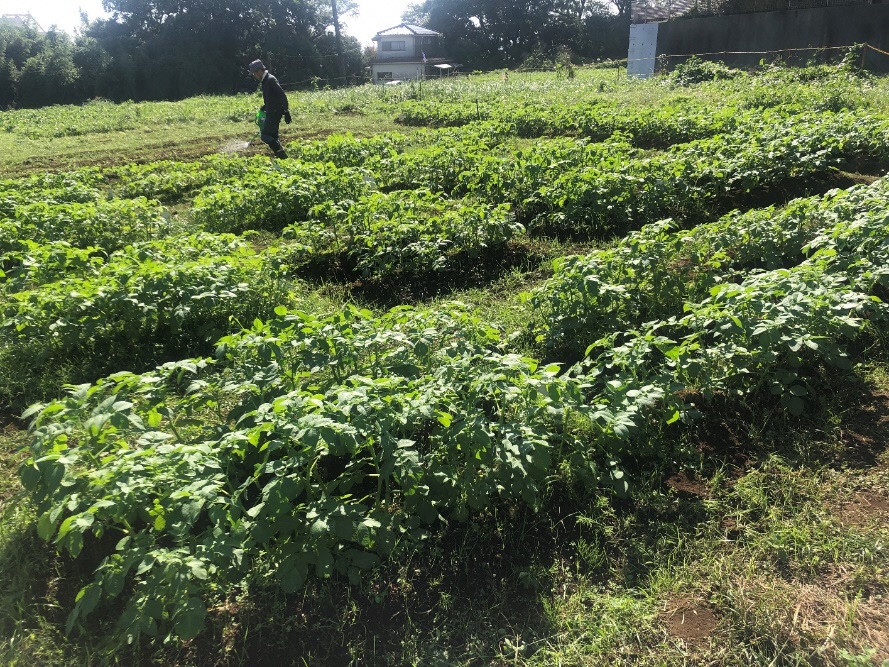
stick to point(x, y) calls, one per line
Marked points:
point(406, 29)
point(21, 21)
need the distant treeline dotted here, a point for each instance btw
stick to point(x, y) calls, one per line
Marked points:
point(490, 34)
point(173, 49)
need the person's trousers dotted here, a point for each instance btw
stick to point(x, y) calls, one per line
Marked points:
point(270, 130)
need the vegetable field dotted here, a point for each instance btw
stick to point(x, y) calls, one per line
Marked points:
point(498, 372)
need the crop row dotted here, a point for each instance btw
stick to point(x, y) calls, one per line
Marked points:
point(319, 445)
point(335, 217)
point(476, 192)
point(104, 224)
point(559, 185)
point(406, 233)
point(339, 439)
point(570, 186)
point(650, 274)
point(769, 336)
point(690, 183)
point(102, 116)
point(271, 196)
point(676, 119)
point(473, 193)
point(658, 127)
point(174, 181)
point(68, 313)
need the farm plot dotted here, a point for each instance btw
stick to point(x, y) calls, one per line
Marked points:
point(204, 423)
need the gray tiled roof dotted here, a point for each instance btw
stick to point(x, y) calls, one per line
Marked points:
point(407, 29)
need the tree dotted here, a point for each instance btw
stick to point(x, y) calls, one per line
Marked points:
point(487, 34)
point(50, 76)
point(188, 47)
point(8, 83)
point(339, 38)
point(91, 61)
point(19, 43)
point(170, 49)
point(483, 32)
point(118, 78)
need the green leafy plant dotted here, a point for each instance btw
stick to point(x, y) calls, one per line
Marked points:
point(401, 233)
point(271, 197)
point(316, 447)
point(145, 302)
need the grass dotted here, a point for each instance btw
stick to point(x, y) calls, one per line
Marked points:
point(751, 542)
point(183, 142)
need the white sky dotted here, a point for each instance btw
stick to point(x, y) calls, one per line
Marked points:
point(373, 15)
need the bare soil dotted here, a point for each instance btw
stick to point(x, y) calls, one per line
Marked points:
point(686, 483)
point(865, 508)
point(688, 619)
point(865, 430)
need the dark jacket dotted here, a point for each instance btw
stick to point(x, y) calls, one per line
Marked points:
point(273, 96)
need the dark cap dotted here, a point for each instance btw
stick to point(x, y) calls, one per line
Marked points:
point(255, 66)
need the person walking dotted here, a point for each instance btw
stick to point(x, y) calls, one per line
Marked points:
point(275, 106)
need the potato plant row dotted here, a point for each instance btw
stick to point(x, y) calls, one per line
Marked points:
point(651, 274)
point(596, 119)
point(319, 445)
point(608, 189)
point(350, 221)
point(313, 446)
point(75, 315)
point(562, 186)
point(673, 117)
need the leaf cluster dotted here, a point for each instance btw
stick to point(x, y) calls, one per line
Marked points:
point(317, 446)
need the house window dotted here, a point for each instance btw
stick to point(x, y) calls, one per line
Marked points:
point(428, 40)
point(384, 76)
point(393, 46)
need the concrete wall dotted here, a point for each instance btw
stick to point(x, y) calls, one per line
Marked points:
point(402, 71)
point(642, 56)
point(774, 31)
point(410, 48)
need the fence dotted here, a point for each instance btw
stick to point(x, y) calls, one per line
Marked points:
point(872, 58)
point(649, 11)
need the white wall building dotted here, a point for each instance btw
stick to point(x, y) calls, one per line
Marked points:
point(409, 52)
point(20, 21)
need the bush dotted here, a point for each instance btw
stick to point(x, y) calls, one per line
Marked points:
point(694, 70)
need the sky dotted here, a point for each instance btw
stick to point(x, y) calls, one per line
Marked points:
point(373, 15)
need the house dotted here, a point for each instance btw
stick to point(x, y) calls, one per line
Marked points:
point(20, 21)
point(409, 51)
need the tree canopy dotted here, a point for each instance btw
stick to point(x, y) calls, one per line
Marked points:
point(501, 33)
point(172, 49)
